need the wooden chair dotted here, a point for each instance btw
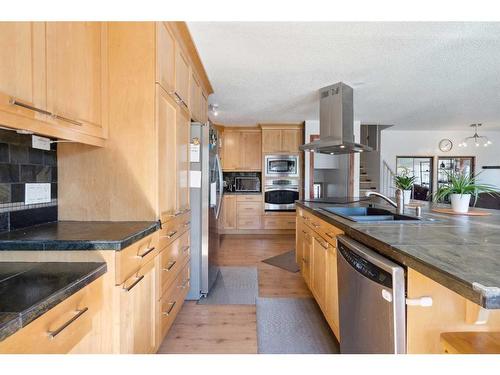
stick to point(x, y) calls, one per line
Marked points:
point(471, 342)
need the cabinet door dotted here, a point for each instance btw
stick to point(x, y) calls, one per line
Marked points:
point(22, 67)
point(320, 248)
point(251, 151)
point(299, 241)
point(332, 293)
point(271, 140)
point(77, 74)
point(307, 257)
point(137, 312)
point(182, 133)
point(204, 108)
point(165, 47)
point(231, 145)
point(195, 98)
point(229, 212)
point(182, 76)
point(291, 139)
point(166, 121)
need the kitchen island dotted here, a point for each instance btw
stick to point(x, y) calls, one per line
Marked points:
point(453, 259)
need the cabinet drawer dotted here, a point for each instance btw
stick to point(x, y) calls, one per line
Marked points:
point(172, 259)
point(276, 222)
point(249, 208)
point(249, 198)
point(327, 230)
point(130, 259)
point(173, 227)
point(249, 222)
point(61, 328)
point(172, 300)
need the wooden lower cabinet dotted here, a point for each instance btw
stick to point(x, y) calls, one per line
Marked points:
point(227, 218)
point(316, 254)
point(137, 312)
point(35, 338)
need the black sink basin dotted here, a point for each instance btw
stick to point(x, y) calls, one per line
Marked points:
point(368, 214)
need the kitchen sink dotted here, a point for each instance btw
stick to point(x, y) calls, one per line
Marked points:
point(368, 214)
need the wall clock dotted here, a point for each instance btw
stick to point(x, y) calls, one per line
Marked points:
point(445, 145)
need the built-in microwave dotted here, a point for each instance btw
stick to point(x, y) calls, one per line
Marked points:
point(247, 184)
point(281, 165)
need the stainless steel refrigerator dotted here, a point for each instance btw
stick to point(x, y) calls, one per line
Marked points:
point(206, 201)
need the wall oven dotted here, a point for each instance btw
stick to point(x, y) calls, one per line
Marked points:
point(281, 165)
point(280, 195)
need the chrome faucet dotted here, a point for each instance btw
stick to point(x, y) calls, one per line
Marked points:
point(399, 204)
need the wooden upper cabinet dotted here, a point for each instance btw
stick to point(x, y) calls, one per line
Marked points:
point(231, 146)
point(271, 140)
point(77, 74)
point(281, 140)
point(166, 120)
point(195, 98)
point(22, 67)
point(291, 139)
point(204, 108)
point(182, 73)
point(165, 47)
point(251, 151)
point(182, 134)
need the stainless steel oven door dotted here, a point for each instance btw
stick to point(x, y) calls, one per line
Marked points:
point(280, 198)
point(282, 165)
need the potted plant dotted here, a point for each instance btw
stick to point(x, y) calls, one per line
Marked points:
point(460, 188)
point(405, 182)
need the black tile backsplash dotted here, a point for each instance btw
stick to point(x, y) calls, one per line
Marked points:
point(21, 164)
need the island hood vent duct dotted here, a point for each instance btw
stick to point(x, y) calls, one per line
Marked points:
point(336, 122)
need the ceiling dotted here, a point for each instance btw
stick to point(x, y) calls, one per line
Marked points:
point(415, 75)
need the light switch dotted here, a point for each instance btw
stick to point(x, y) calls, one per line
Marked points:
point(37, 193)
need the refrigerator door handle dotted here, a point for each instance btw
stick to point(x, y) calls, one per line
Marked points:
point(221, 184)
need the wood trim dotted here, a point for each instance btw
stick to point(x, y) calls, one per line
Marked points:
point(312, 138)
point(282, 126)
point(181, 31)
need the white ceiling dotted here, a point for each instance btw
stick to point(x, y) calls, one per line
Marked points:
point(413, 75)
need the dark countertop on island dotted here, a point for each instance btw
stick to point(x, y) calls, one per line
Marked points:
point(28, 290)
point(78, 235)
point(459, 252)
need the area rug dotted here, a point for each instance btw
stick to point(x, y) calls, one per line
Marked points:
point(285, 261)
point(293, 326)
point(233, 286)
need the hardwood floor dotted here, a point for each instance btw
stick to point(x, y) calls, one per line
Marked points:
point(204, 329)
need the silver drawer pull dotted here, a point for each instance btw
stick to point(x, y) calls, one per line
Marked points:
point(146, 252)
point(303, 231)
point(170, 265)
point(137, 281)
point(187, 223)
point(79, 313)
point(171, 234)
point(331, 235)
point(323, 244)
point(14, 101)
point(183, 286)
point(184, 249)
point(291, 222)
point(172, 305)
point(315, 225)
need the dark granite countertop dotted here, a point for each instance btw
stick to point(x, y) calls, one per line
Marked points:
point(78, 235)
point(460, 252)
point(28, 290)
point(242, 193)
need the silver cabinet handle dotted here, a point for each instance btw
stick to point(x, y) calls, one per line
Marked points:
point(183, 286)
point(170, 265)
point(178, 98)
point(172, 304)
point(184, 249)
point(79, 313)
point(171, 234)
point(331, 235)
point(149, 250)
point(14, 101)
point(137, 281)
point(315, 225)
point(187, 223)
point(59, 117)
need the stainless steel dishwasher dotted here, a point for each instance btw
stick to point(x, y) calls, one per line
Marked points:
point(371, 300)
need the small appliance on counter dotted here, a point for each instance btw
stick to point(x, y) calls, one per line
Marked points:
point(242, 182)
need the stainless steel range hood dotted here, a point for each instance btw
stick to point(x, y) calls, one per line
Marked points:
point(336, 122)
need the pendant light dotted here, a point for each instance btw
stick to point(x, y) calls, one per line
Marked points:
point(477, 139)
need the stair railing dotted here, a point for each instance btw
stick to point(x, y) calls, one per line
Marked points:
point(387, 185)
